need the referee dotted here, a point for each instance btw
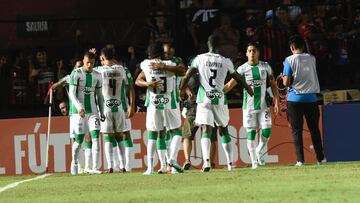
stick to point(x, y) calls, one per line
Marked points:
point(300, 76)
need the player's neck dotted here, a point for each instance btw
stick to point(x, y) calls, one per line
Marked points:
point(253, 62)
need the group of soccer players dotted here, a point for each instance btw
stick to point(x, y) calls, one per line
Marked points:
point(99, 104)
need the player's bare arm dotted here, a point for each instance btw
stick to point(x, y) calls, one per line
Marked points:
point(286, 80)
point(190, 72)
point(230, 85)
point(58, 85)
point(177, 69)
point(141, 81)
point(131, 109)
point(235, 75)
point(275, 92)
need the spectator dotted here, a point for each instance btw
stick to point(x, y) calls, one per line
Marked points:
point(229, 37)
point(19, 91)
point(64, 108)
point(273, 41)
point(203, 22)
point(41, 75)
point(4, 75)
point(161, 33)
point(339, 47)
point(315, 39)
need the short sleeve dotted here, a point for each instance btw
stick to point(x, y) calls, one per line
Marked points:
point(229, 66)
point(195, 62)
point(287, 69)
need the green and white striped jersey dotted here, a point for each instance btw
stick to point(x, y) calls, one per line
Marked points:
point(128, 80)
point(83, 88)
point(177, 80)
point(213, 69)
point(112, 81)
point(162, 97)
point(255, 76)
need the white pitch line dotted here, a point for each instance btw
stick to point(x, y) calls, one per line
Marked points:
point(12, 185)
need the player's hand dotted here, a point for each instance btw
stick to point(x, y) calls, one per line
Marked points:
point(82, 113)
point(153, 84)
point(182, 94)
point(92, 50)
point(157, 66)
point(190, 94)
point(276, 106)
point(102, 117)
point(130, 112)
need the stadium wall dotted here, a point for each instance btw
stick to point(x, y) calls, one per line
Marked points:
point(23, 145)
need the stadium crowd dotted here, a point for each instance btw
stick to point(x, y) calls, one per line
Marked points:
point(330, 28)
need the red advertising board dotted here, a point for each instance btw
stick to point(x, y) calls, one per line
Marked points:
point(23, 145)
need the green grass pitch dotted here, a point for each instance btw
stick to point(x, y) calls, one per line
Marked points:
point(330, 182)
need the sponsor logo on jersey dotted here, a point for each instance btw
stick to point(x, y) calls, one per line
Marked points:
point(256, 83)
point(87, 90)
point(159, 99)
point(112, 102)
point(214, 94)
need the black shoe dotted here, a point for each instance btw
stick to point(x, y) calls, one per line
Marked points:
point(187, 165)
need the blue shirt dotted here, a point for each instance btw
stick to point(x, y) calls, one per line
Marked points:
point(292, 96)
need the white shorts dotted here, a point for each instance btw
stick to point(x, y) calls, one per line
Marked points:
point(127, 126)
point(85, 125)
point(208, 114)
point(114, 122)
point(157, 119)
point(254, 119)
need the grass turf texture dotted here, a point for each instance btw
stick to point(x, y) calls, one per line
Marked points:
point(330, 182)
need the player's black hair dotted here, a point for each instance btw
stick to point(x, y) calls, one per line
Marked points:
point(214, 41)
point(156, 50)
point(89, 55)
point(297, 42)
point(108, 53)
point(254, 44)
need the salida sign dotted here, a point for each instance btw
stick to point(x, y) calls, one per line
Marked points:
point(35, 26)
point(23, 145)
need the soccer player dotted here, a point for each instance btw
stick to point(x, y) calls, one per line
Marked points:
point(211, 99)
point(85, 94)
point(159, 100)
point(256, 111)
point(64, 82)
point(173, 136)
point(114, 122)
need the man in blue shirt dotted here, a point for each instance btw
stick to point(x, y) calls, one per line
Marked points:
point(300, 77)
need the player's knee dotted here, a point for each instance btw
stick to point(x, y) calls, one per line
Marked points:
point(79, 138)
point(95, 134)
point(266, 132)
point(251, 134)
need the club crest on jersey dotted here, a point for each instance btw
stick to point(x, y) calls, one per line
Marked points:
point(214, 94)
point(160, 100)
point(112, 102)
point(87, 90)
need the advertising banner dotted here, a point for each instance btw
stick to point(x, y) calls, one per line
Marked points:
point(23, 145)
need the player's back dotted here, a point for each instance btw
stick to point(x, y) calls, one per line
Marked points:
point(112, 77)
point(163, 96)
point(213, 69)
